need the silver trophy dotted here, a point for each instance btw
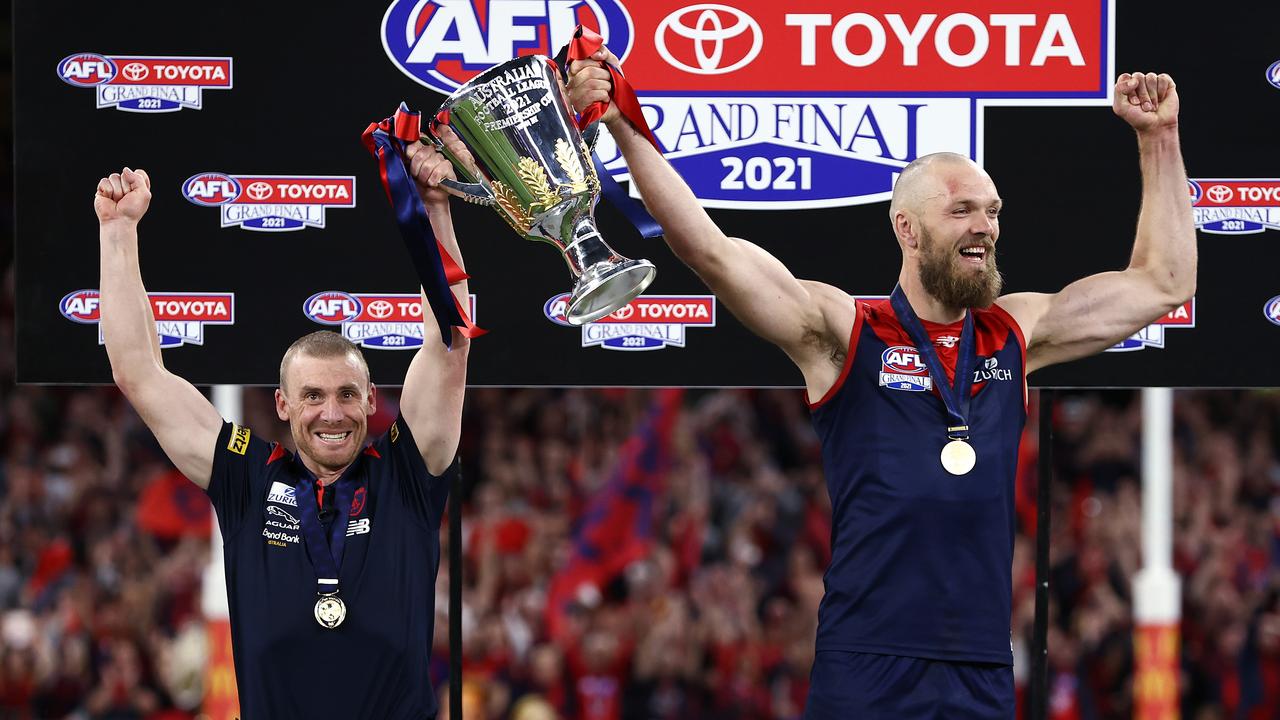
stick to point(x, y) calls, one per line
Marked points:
point(533, 167)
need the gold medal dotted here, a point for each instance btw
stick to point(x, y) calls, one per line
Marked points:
point(330, 611)
point(958, 457)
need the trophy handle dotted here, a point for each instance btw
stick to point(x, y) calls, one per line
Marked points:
point(468, 189)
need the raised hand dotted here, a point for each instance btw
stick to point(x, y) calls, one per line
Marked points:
point(590, 82)
point(428, 167)
point(123, 196)
point(1146, 101)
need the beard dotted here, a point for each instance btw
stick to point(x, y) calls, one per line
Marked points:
point(953, 285)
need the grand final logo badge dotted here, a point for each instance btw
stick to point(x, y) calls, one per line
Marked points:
point(271, 203)
point(147, 84)
point(1237, 206)
point(650, 322)
point(772, 105)
point(180, 317)
point(380, 321)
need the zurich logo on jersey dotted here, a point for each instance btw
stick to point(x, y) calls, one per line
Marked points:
point(444, 43)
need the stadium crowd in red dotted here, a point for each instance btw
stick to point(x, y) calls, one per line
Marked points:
point(631, 555)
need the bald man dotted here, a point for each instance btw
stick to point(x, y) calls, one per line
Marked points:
point(919, 401)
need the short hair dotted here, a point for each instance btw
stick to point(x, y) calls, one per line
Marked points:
point(906, 187)
point(322, 344)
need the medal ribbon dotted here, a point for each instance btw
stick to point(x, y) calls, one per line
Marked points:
point(584, 43)
point(436, 269)
point(326, 553)
point(957, 398)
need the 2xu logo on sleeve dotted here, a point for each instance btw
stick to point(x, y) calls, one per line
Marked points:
point(271, 203)
point(380, 321)
point(146, 84)
point(767, 105)
point(180, 317)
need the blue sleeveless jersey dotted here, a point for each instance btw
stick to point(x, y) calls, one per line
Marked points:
point(373, 665)
point(921, 558)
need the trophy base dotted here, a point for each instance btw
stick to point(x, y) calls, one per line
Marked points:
point(605, 287)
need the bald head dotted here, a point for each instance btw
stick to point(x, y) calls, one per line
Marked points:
point(921, 180)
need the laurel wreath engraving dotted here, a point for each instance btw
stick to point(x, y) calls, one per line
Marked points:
point(572, 165)
point(535, 179)
point(593, 180)
point(512, 211)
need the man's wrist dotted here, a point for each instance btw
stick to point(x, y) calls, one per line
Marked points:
point(1156, 138)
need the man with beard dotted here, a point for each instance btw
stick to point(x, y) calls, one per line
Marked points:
point(332, 551)
point(919, 401)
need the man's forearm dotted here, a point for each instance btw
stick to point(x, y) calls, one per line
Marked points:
point(686, 226)
point(128, 324)
point(1165, 243)
point(442, 226)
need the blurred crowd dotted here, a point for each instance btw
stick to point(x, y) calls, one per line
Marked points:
point(625, 562)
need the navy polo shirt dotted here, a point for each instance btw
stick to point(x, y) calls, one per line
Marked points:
point(374, 665)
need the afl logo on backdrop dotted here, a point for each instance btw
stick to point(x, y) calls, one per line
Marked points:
point(444, 43)
point(1273, 74)
point(211, 189)
point(86, 69)
point(1272, 310)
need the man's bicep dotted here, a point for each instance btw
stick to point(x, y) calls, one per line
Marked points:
point(1084, 318)
point(763, 294)
point(183, 420)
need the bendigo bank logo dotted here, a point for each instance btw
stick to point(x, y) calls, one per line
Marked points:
point(444, 43)
point(768, 105)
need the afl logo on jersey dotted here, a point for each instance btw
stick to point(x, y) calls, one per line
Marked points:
point(901, 368)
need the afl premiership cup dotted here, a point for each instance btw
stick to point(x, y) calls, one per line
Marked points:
point(532, 166)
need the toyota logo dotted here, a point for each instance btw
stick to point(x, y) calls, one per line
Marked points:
point(624, 312)
point(379, 309)
point(704, 25)
point(134, 71)
point(258, 190)
point(1219, 194)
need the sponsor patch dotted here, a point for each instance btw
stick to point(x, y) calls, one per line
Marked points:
point(180, 317)
point(1153, 335)
point(271, 203)
point(283, 494)
point(1235, 206)
point(358, 527)
point(279, 538)
point(381, 321)
point(989, 370)
point(395, 433)
point(902, 368)
point(282, 514)
point(146, 84)
point(650, 322)
point(239, 441)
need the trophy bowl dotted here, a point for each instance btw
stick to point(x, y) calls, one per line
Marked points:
point(528, 161)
